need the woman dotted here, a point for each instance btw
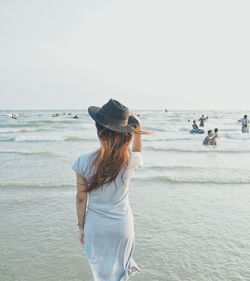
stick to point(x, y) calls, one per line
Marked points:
point(103, 176)
point(245, 124)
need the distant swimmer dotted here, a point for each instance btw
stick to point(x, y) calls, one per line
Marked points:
point(245, 124)
point(208, 139)
point(202, 120)
point(13, 116)
point(75, 117)
point(215, 136)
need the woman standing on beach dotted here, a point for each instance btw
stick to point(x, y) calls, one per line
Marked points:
point(103, 176)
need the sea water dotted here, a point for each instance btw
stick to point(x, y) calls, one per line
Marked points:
point(191, 203)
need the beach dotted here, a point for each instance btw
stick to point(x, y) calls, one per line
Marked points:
point(190, 202)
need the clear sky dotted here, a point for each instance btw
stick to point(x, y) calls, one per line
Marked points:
point(178, 54)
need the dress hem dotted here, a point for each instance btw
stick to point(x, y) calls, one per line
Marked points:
point(131, 271)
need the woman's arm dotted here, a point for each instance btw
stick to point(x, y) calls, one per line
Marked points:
point(81, 202)
point(137, 143)
point(137, 138)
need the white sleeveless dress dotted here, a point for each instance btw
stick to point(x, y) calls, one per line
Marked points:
point(109, 238)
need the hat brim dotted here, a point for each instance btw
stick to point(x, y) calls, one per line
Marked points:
point(132, 121)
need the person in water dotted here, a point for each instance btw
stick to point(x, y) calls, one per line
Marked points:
point(196, 129)
point(195, 126)
point(103, 178)
point(202, 120)
point(208, 139)
point(215, 136)
point(245, 124)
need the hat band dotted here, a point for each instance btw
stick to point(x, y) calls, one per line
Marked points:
point(111, 121)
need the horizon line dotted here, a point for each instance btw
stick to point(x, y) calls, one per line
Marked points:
point(133, 109)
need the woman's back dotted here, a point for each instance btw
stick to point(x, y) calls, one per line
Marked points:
point(110, 199)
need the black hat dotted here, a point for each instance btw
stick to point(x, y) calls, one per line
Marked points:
point(114, 116)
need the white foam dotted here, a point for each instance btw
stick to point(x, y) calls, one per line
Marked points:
point(38, 138)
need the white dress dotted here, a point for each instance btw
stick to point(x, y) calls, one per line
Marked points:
point(109, 238)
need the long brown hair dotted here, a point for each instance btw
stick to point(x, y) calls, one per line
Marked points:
point(111, 157)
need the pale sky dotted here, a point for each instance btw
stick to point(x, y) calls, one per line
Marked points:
point(178, 54)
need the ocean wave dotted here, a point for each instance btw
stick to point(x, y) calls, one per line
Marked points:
point(9, 130)
point(18, 130)
point(154, 129)
point(174, 119)
point(137, 180)
point(37, 123)
point(194, 170)
point(198, 150)
point(38, 138)
point(240, 136)
point(47, 153)
point(229, 130)
point(184, 129)
point(46, 139)
point(6, 139)
point(168, 129)
point(168, 139)
point(172, 168)
point(34, 185)
point(54, 120)
point(18, 125)
point(168, 179)
point(76, 138)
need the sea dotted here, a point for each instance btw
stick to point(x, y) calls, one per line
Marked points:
point(191, 203)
